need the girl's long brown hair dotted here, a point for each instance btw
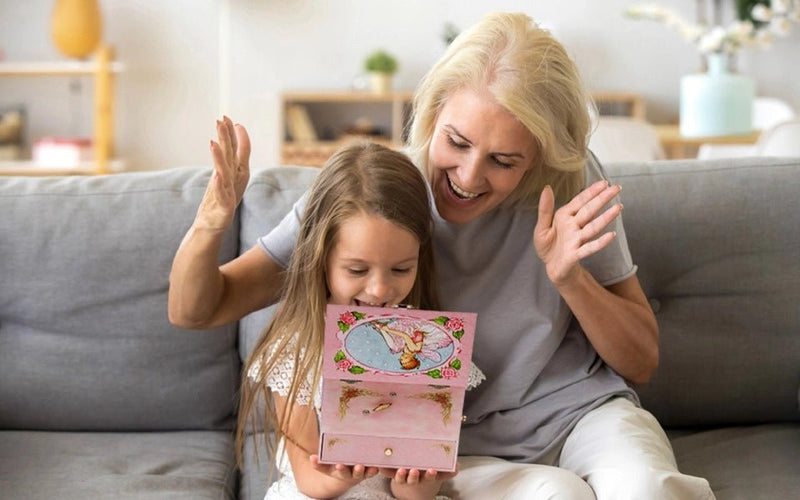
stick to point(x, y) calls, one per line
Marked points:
point(361, 178)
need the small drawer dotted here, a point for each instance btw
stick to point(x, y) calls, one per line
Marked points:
point(394, 452)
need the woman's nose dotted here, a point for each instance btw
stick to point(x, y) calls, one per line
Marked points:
point(470, 172)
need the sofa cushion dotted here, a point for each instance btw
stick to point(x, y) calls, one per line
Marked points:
point(85, 343)
point(270, 195)
point(719, 257)
point(187, 465)
point(742, 463)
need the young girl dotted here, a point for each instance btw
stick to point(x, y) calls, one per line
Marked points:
point(365, 239)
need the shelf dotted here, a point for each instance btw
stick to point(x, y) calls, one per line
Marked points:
point(103, 68)
point(318, 122)
point(55, 68)
point(31, 168)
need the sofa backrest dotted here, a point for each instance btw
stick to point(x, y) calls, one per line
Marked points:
point(270, 195)
point(718, 248)
point(85, 343)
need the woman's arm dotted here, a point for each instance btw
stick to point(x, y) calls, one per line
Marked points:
point(302, 440)
point(617, 320)
point(201, 294)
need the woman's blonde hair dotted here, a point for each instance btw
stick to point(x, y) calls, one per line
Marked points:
point(362, 178)
point(530, 74)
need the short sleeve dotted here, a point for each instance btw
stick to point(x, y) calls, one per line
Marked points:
point(279, 379)
point(280, 242)
point(614, 263)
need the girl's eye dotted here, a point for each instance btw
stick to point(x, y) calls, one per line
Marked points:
point(456, 144)
point(404, 270)
point(357, 272)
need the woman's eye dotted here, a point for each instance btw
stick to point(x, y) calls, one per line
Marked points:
point(357, 272)
point(501, 163)
point(404, 270)
point(456, 144)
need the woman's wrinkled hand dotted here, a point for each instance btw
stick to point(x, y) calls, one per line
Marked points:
point(226, 187)
point(575, 231)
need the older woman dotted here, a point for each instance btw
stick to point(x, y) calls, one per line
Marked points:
point(528, 234)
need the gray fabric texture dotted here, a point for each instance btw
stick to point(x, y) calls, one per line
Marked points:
point(542, 374)
point(189, 465)
point(743, 463)
point(720, 261)
point(85, 343)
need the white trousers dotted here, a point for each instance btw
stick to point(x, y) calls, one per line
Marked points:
point(615, 452)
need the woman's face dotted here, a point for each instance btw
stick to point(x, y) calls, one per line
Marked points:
point(478, 155)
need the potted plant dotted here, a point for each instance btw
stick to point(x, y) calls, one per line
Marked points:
point(381, 66)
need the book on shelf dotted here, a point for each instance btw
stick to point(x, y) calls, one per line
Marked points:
point(299, 124)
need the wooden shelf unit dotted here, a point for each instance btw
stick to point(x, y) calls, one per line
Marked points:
point(314, 148)
point(104, 69)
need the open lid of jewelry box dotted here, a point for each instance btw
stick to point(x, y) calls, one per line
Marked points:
point(398, 345)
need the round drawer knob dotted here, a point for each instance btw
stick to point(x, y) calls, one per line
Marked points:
point(388, 452)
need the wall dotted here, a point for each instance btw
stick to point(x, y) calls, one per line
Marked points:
point(188, 61)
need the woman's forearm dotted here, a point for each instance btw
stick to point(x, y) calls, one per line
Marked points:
point(195, 281)
point(619, 323)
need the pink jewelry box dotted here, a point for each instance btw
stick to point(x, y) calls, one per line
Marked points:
point(393, 386)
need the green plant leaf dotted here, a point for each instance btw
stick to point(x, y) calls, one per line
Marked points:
point(456, 363)
point(458, 334)
point(441, 320)
point(356, 370)
point(339, 356)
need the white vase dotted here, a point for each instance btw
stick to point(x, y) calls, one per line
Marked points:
point(717, 102)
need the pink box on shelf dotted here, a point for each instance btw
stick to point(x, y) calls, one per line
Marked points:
point(393, 386)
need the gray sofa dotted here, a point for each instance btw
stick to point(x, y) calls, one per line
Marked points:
point(100, 397)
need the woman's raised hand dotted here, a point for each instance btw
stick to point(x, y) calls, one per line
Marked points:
point(575, 231)
point(229, 179)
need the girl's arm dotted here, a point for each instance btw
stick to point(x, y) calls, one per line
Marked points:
point(617, 320)
point(202, 294)
point(302, 440)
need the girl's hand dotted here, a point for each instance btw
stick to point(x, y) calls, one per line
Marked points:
point(412, 484)
point(574, 231)
point(350, 475)
point(229, 179)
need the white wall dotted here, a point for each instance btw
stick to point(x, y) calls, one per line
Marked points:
point(185, 66)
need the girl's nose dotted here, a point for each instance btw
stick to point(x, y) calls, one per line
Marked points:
point(379, 289)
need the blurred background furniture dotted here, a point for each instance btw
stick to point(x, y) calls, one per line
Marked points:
point(767, 113)
point(781, 140)
point(619, 138)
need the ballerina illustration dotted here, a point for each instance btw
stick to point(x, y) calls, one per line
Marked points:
point(412, 339)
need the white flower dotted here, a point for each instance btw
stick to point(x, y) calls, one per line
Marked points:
point(780, 26)
point(775, 19)
point(761, 13)
point(779, 6)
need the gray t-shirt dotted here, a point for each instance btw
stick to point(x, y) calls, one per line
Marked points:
point(542, 373)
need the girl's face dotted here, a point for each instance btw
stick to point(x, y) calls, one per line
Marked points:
point(478, 155)
point(373, 262)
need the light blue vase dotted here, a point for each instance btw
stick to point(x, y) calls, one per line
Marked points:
point(717, 102)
